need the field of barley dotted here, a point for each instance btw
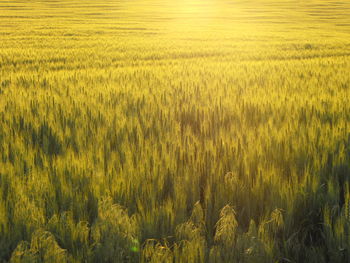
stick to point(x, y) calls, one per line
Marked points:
point(163, 131)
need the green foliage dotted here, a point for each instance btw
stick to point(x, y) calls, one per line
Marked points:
point(175, 131)
point(42, 248)
point(114, 234)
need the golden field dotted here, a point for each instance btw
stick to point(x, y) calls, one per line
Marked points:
point(175, 131)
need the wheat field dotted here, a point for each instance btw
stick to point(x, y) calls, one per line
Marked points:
point(181, 131)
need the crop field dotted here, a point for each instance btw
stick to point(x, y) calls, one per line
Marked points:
point(185, 131)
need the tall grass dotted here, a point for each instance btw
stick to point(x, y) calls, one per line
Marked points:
point(162, 131)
